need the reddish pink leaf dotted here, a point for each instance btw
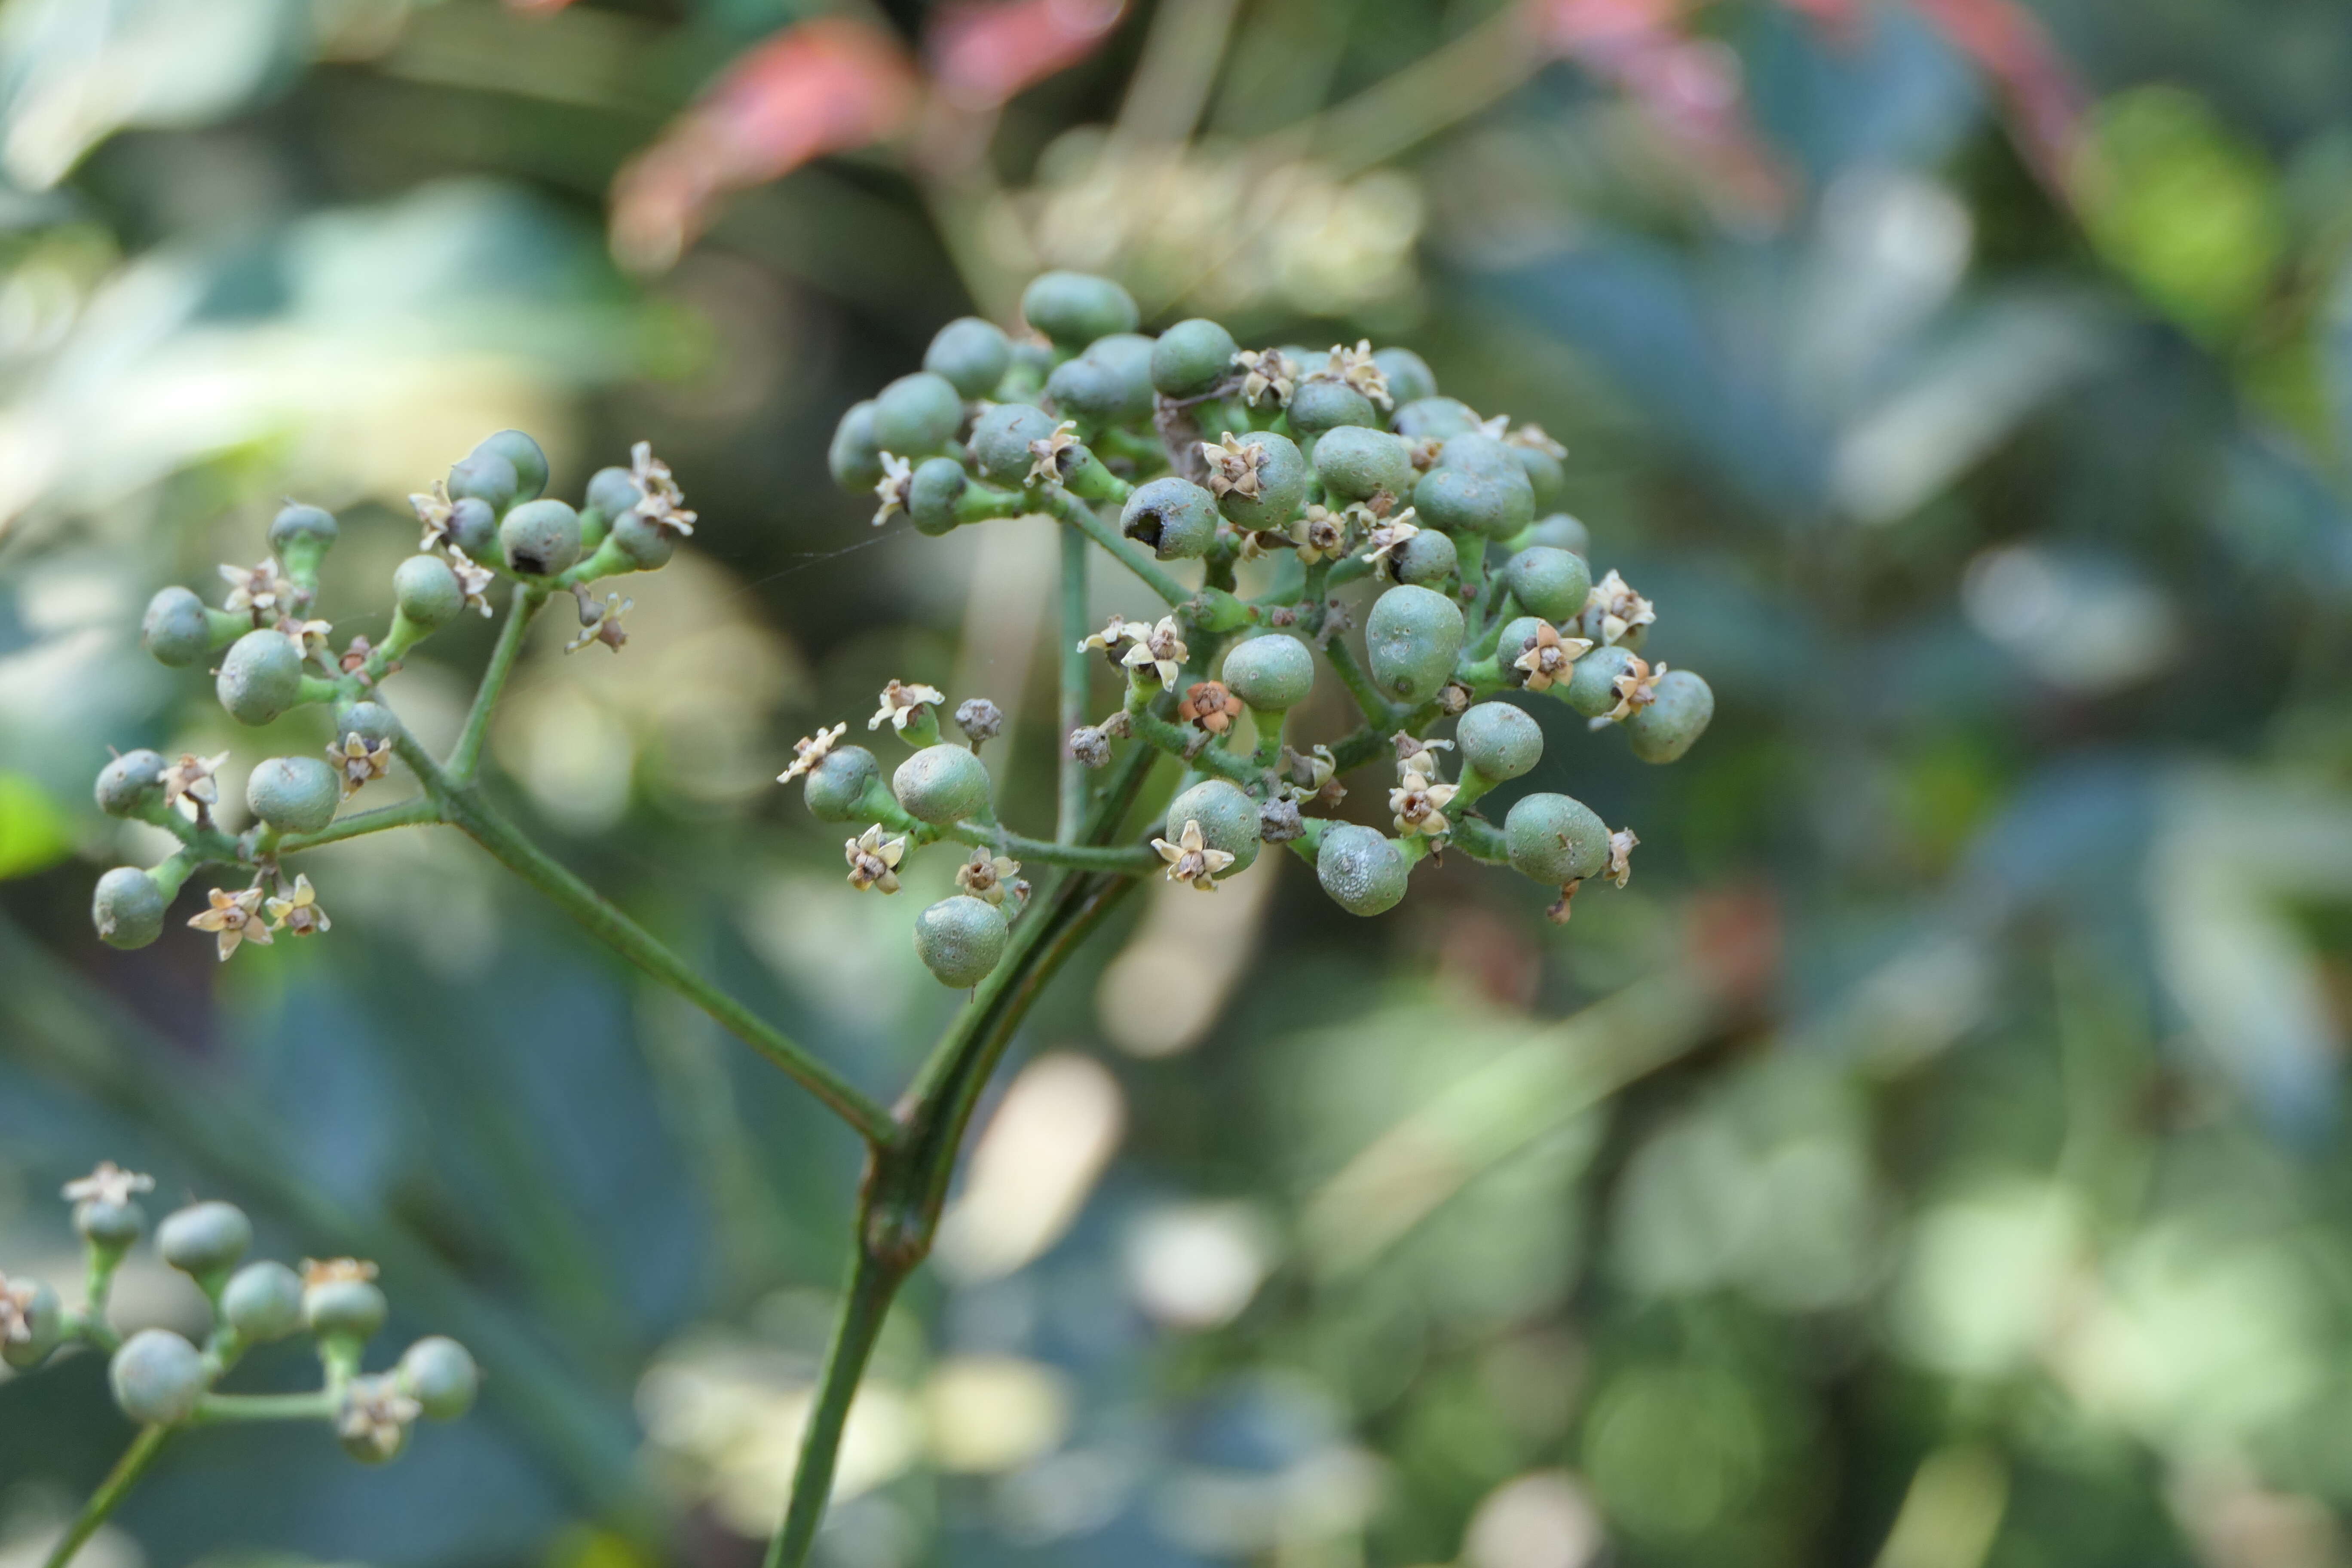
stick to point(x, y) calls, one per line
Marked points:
point(2044, 100)
point(983, 53)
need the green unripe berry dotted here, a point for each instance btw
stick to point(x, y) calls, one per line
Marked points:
point(1282, 484)
point(127, 908)
point(612, 491)
point(473, 527)
point(1271, 673)
point(1408, 375)
point(1074, 308)
point(299, 531)
point(1001, 437)
point(1664, 729)
point(540, 538)
point(1320, 405)
point(971, 355)
point(1364, 871)
point(524, 454)
point(439, 1373)
point(1548, 583)
point(1411, 640)
point(175, 628)
point(1518, 634)
point(1592, 687)
point(643, 543)
point(1546, 476)
point(917, 415)
point(1130, 354)
point(1561, 531)
point(44, 1318)
point(938, 483)
point(854, 456)
point(204, 1239)
point(1498, 739)
point(1426, 559)
point(1434, 418)
point(836, 784)
point(1356, 463)
point(487, 477)
point(260, 676)
point(108, 1228)
point(1476, 488)
point(941, 783)
point(263, 1301)
point(426, 593)
point(130, 782)
point(1228, 819)
point(157, 1378)
point(1096, 393)
point(343, 1309)
point(1191, 357)
point(1176, 518)
point(1554, 839)
point(293, 795)
point(959, 940)
point(371, 721)
point(1476, 452)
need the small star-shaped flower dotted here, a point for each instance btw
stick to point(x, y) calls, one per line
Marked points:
point(658, 498)
point(336, 1271)
point(432, 512)
point(1211, 706)
point(1049, 456)
point(1354, 368)
point(811, 750)
point(1310, 775)
point(355, 657)
point(1267, 375)
point(1234, 467)
point(262, 591)
point(192, 780)
point(1420, 805)
point(1116, 631)
point(310, 636)
point(16, 1312)
point(1612, 609)
point(986, 876)
point(895, 488)
point(109, 1185)
point(1532, 436)
point(297, 912)
point(600, 622)
point(377, 1414)
point(358, 762)
point(1388, 537)
point(1548, 656)
point(1636, 687)
point(234, 918)
point(874, 859)
point(901, 702)
point(1321, 534)
point(1498, 427)
point(1162, 650)
point(473, 579)
point(1190, 860)
point(1415, 755)
point(1621, 856)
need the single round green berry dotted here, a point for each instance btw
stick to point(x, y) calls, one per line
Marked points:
point(294, 794)
point(941, 783)
point(938, 485)
point(1434, 418)
point(1593, 679)
point(1547, 582)
point(130, 784)
point(1000, 438)
point(1176, 518)
point(299, 530)
point(263, 1301)
point(855, 456)
point(1190, 357)
point(1271, 673)
point(439, 1373)
point(488, 477)
point(1128, 354)
point(372, 723)
point(204, 1239)
point(643, 543)
point(426, 593)
point(1560, 532)
point(1282, 477)
point(175, 628)
point(616, 491)
point(1096, 393)
point(1411, 640)
point(108, 1228)
point(1356, 463)
point(524, 454)
point(959, 940)
point(127, 908)
point(540, 538)
point(1547, 478)
point(157, 1378)
point(837, 784)
point(1476, 452)
point(260, 676)
point(473, 527)
point(343, 1307)
point(1228, 819)
point(1498, 739)
point(1476, 488)
point(971, 356)
point(1554, 839)
point(1426, 559)
point(917, 415)
point(1074, 308)
point(1408, 375)
point(1664, 731)
point(1319, 405)
point(41, 1318)
point(1364, 871)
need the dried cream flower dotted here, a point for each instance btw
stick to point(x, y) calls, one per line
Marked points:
point(1119, 630)
point(1354, 368)
point(109, 1185)
point(1420, 805)
point(1234, 467)
point(473, 579)
point(1636, 687)
point(811, 750)
point(309, 636)
point(298, 913)
point(1211, 706)
point(234, 918)
point(659, 500)
point(1621, 856)
point(336, 1271)
point(1532, 436)
point(986, 876)
point(1415, 755)
point(359, 762)
point(1612, 609)
point(433, 513)
point(1050, 454)
point(1162, 650)
point(874, 859)
point(377, 1414)
point(902, 702)
point(1320, 534)
point(1190, 860)
point(1389, 536)
point(1267, 375)
point(262, 591)
point(1548, 656)
point(192, 780)
point(895, 488)
point(600, 622)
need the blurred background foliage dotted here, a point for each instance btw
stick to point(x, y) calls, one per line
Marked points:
point(1935, 1160)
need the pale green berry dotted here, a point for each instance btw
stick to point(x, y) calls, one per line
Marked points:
point(1074, 308)
point(488, 477)
point(157, 1377)
point(941, 783)
point(1364, 871)
point(1357, 464)
point(1000, 438)
point(204, 1239)
point(1591, 688)
point(175, 628)
point(1547, 478)
point(1432, 418)
point(854, 456)
point(1282, 477)
point(1408, 375)
point(130, 784)
point(426, 593)
point(263, 1301)
point(300, 531)
point(1498, 739)
point(1554, 839)
point(1476, 488)
point(1664, 729)
point(1320, 405)
point(1271, 673)
point(961, 939)
point(44, 1318)
point(1190, 357)
point(1518, 636)
point(969, 354)
point(1130, 355)
point(1426, 559)
point(473, 527)
point(260, 676)
point(1560, 532)
point(917, 415)
point(1228, 819)
point(836, 785)
point(526, 457)
point(1547, 582)
point(1411, 640)
point(371, 721)
point(612, 491)
point(932, 495)
point(540, 538)
point(343, 1309)
point(294, 794)
point(643, 543)
point(439, 1373)
point(108, 1229)
point(128, 907)
point(1096, 393)
point(1175, 517)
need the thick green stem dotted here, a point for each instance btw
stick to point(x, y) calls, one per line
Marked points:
point(1076, 671)
point(109, 1494)
point(1070, 509)
point(465, 757)
point(223, 1407)
point(866, 1305)
point(1120, 858)
point(1376, 708)
point(407, 814)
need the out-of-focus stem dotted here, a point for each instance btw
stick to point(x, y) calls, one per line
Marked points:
point(465, 757)
point(109, 1494)
point(1077, 673)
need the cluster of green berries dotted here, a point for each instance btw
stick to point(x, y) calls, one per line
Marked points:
point(489, 521)
point(1333, 468)
point(160, 1378)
